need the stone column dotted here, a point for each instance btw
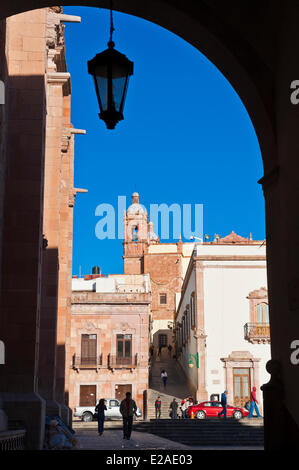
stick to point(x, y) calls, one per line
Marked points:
point(281, 189)
point(22, 229)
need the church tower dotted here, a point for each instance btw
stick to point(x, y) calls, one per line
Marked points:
point(136, 236)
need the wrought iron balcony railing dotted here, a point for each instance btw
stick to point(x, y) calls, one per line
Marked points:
point(12, 440)
point(115, 362)
point(257, 332)
point(87, 362)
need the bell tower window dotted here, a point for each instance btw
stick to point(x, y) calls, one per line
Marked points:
point(135, 233)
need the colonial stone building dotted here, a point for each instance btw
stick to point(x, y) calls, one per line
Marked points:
point(222, 320)
point(109, 340)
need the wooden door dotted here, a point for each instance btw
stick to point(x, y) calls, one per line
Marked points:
point(88, 395)
point(241, 386)
point(121, 390)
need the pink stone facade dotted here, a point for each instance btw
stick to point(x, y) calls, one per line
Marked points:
point(107, 315)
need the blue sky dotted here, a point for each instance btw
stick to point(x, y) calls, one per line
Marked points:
point(186, 137)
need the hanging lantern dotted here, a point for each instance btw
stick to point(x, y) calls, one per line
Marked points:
point(111, 70)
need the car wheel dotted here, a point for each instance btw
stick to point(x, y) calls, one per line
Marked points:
point(87, 417)
point(238, 414)
point(200, 415)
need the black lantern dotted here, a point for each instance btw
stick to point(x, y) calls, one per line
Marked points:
point(111, 70)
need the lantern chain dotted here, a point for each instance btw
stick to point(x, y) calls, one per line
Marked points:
point(111, 22)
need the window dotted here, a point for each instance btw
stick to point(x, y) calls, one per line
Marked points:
point(184, 329)
point(88, 349)
point(163, 299)
point(135, 233)
point(192, 310)
point(163, 340)
point(262, 313)
point(124, 346)
point(114, 403)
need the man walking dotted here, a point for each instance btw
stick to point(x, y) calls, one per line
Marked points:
point(223, 404)
point(174, 409)
point(127, 408)
point(253, 404)
point(158, 408)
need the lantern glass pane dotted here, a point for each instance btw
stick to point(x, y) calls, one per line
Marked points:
point(102, 85)
point(119, 77)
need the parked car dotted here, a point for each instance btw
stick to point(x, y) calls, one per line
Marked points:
point(87, 413)
point(209, 409)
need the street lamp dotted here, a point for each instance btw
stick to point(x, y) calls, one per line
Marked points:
point(111, 70)
point(191, 358)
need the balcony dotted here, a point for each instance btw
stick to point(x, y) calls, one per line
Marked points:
point(115, 362)
point(83, 362)
point(257, 333)
point(12, 439)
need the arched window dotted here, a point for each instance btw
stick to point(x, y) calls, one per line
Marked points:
point(262, 313)
point(135, 233)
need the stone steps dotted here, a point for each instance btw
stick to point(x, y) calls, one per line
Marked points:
point(165, 399)
point(207, 432)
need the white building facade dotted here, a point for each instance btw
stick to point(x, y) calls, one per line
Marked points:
point(222, 322)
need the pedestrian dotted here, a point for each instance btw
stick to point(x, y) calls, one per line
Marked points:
point(151, 349)
point(100, 410)
point(127, 409)
point(158, 404)
point(253, 404)
point(164, 377)
point(184, 407)
point(174, 409)
point(169, 349)
point(223, 404)
point(160, 350)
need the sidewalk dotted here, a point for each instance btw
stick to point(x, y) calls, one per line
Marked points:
point(112, 440)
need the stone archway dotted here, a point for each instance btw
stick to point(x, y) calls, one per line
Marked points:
point(253, 46)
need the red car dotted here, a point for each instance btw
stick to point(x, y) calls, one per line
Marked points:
point(210, 409)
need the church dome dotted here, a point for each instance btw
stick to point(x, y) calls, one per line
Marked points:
point(135, 207)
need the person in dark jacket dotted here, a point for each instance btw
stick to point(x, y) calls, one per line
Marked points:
point(158, 404)
point(223, 404)
point(174, 409)
point(100, 410)
point(253, 404)
point(128, 409)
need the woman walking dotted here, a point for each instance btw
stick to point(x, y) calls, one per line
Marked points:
point(100, 410)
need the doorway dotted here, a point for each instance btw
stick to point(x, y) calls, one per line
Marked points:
point(121, 390)
point(241, 386)
point(88, 395)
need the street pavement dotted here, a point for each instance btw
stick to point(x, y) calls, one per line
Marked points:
point(112, 440)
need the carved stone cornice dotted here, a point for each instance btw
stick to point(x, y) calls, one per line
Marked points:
point(261, 293)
